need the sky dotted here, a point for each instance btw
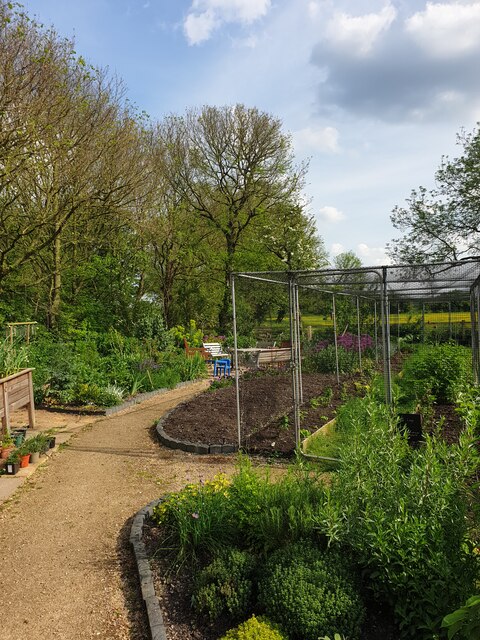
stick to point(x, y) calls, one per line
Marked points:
point(373, 92)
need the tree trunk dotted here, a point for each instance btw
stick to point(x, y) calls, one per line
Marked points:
point(55, 290)
point(224, 315)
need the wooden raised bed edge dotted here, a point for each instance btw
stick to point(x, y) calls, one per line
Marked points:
point(16, 392)
point(324, 432)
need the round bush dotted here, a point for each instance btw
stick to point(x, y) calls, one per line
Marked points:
point(310, 594)
point(255, 629)
point(225, 586)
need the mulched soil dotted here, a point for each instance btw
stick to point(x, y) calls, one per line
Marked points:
point(267, 411)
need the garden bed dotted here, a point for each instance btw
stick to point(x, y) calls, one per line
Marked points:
point(267, 416)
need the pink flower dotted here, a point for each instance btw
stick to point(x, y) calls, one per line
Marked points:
point(195, 516)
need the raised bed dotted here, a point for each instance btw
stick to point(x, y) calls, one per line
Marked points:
point(16, 392)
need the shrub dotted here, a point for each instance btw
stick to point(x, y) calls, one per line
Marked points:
point(255, 629)
point(324, 360)
point(308, 592)
point(438, 369)
point(225, 585)
point(403, 513)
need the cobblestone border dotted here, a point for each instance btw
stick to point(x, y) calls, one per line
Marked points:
point(152, 604)
point(190, 447)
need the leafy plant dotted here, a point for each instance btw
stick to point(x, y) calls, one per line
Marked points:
point(255, 629)
point(309, 593)
point(225, 585)
point(465, 620)
point(439, 370)
point(13, 357)
point(403, 513)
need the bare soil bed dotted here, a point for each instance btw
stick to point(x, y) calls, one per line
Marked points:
point(267, 412)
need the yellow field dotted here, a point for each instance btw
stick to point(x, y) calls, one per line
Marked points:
point(431, 318)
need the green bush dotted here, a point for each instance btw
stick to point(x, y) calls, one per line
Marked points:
point(225, 585)
point(324, 360)
point(403, 514)
point(309, 593)
point(255, 629)
point(439, 370)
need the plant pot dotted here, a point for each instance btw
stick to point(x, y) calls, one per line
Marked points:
point(19, 438)
point(12, 468)
point(34, 457)
point(52, 442)
point(6, 451)
point(24, 460)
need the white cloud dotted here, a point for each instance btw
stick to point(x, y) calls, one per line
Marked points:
point(207, 15)
point(199, 27)
point(331, 214)
point(446, 29)
point(372, 256)
point(323, 139)
point(313, 9)
point(336, 249)
point(359, 33)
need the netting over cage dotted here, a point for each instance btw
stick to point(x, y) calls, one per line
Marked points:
point(353, 311)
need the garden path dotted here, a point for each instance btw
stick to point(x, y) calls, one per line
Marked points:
point(67, 569)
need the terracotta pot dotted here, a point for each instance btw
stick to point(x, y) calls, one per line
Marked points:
point(24, 460)
point(5, 452)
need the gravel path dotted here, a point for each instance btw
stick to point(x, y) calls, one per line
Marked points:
point(67, 570)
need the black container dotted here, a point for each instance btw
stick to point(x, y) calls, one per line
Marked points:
point(52, 442)
point(11, 468)
point(411, 423)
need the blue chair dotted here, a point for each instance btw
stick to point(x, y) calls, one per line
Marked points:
point(222, 367)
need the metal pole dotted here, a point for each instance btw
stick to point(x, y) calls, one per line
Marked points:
point(237, 376)
point(335, 336)
point(293, 338)
point(386, 339)
point(450, 320)
point(398, 324)
point(358, 335)
point(299, 345)
point(375, 329)
point(423, 322)
point(475, 338)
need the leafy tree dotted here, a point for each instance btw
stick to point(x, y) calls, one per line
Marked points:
point(444, 223)
point(233, 166)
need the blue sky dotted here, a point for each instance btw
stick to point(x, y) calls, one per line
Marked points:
point(373, 92)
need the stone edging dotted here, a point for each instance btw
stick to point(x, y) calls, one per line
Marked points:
point(154, 613)
point(109, 411)
point(190, 447)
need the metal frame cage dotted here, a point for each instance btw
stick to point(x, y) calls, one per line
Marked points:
point(384, 289)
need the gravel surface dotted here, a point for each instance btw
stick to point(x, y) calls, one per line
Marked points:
point(67, 569)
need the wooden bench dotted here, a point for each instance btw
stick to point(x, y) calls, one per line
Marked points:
point(273, 356)
point(190, 352)
point(215, 350)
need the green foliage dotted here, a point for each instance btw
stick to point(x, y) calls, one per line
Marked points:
point(324, 360)
point(309, 593)
point(249, 511)
point(465, 620)
point(403, 513)
point(255, 629)
point(191, 334)
point(225, 585)
point(439, 370)
point(13, 357)
point(197, 521)
point(83, 367)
